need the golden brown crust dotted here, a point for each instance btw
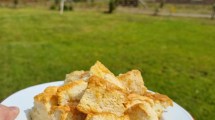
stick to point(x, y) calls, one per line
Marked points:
point(133, 82)
point(47, 96)
point(99, 94)
point(62, 109)
point(102, 96)
point(159, 97)
point(69, 85)
point(134, 99)
point(71, 93)
point(77, 75)
point(95, 81)
point(150, 105)
point(99, 69)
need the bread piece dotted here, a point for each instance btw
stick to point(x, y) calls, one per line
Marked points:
point(134, 99)
point(147, 107)
point(106, 116)
point(161, 102)
point(71, 92)
point(157, 97)
point(101, 71)
point(142, 111)
point(140, 108)
point(43, 103)
point(133, 82)
point(46, 105)
point(61, 113)
point(102, 96)
point(77, 75)
point(67, 113)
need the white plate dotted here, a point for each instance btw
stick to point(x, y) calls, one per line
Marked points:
point(24, 100)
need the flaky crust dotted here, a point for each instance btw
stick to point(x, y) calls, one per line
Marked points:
point(77, 75)
point(101, 71)
point(102, 96)
point(163, 99)
point(98, 94)
point(71, 92)
point(133, 82)
point(49, 95)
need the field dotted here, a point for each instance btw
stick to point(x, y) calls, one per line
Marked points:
point(175, 55)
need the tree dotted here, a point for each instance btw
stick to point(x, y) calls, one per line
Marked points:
point(213, 11)
point(15, 2)
point(62, 6)
point(66, 7)
point(56, 2)
point(112, 5)
point(161, 5)
point(55, 5)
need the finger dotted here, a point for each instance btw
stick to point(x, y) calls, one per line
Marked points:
point(8, 113)
point(3, 112)
point(14, 111)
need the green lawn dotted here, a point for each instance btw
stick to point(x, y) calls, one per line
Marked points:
point(176, 55)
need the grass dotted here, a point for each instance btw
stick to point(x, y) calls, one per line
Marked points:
point(175, 55)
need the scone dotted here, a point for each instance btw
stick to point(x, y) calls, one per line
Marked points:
point(102, 96)
point(133, 82)
point(59, 103)
point(43, 104)
point(98, 94)
point(161, 102)
point(101, 71)
point(71, 92)
point(147, 107)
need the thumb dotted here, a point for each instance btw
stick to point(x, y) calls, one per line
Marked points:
point(8, 113)
point(14, 111)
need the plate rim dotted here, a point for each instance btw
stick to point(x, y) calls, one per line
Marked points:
point(61, 81)
point(28, 88)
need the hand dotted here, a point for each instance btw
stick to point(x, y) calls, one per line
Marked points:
point(8, 113)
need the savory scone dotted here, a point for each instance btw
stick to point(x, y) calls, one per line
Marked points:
point(133, 82)
point(43, 103)
point(161, 102)
point(101, 71)
point(140, 108)
point(59, 103)
point(71, 92)
point(106, 116)
point(77, 75)
point(102, 96)
point(98, 94)
point(146, 107)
